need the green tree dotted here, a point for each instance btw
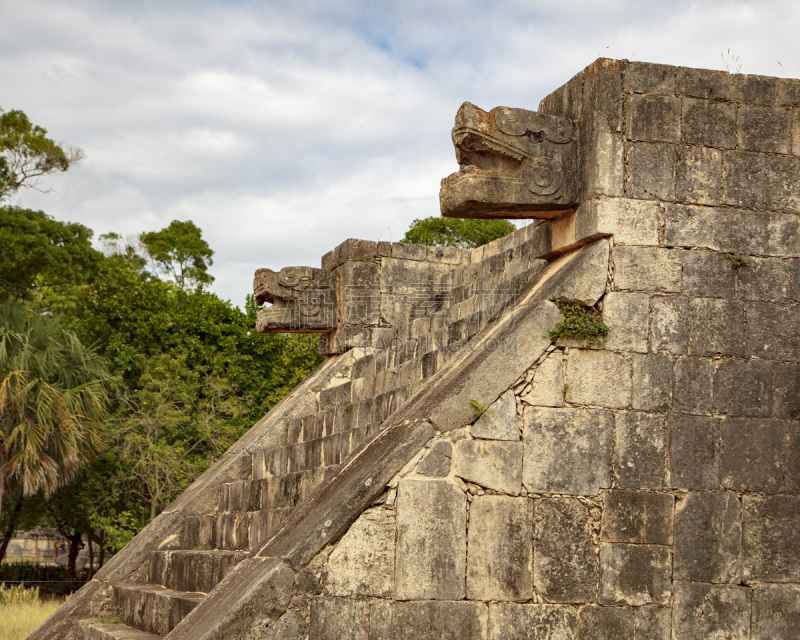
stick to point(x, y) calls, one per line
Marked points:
point(53, 400)
point(174, 426)
point(180, 252)
point(455, 232)
point(37, 251)
point(26, 153)
point(190, 374)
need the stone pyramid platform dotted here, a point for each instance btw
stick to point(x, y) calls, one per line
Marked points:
point(643, 486)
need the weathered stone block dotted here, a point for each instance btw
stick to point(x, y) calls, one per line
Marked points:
point(782, 183)
point(753, 456)
point(692, 391)
point(788, 91)
point(703, 611)
point(605, 623)
point(637, 517)
point(771, 538)
point(565, 567)
point(603, 165)
point(754, 89)
point(653, 118)
point(354, 249)
point(633, 222)
point(773, 331)
point(494, 464)
point(430, 364)
point(500, 548)
point(793, 280)
point(448, 255)
point(547, 388)
point(732, 230)
point(567, 450)
point(653, 623)
point(628, 315)
point(795, 117)
point(199, 532)
point(743, 179)
point(648, 268)
point(642, 77)
point(707, 275)
point(669, 325)
point(743, 388)
point(428, 621)
point(716, 326)
point(793, 458)
point(596, 377)
point(652, 382)
point(339, 618)
point(762, 279)
point(362, 564)
point(437, 461)
point(640, 452)
point(635, 574)
point(776, 611)
point(697, 175)
point(409, 251)
point(708, 537)
point(431, 540)
point(651, 171)
point(292, 625)
point(500, 421)
point(764, 129)
point(704, 83)
point(532, 622)
point(694, 454)
point(709, 124)
point(786, 391)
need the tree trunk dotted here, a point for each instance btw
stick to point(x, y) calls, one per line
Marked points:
point(101, 542)
point(74, 547)
point(12, 526)
point(91, 555)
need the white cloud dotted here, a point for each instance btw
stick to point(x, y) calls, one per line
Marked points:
point(283, 128)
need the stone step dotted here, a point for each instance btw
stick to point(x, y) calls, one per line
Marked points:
point(195, 571)
point(153, 608)
point(107, 631)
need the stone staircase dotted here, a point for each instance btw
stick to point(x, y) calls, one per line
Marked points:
point(177, 581)
point(209, 546)
point(329, 420)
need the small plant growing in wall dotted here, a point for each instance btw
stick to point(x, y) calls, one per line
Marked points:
point(736, 260)
point(479, 409)
point(577, 321)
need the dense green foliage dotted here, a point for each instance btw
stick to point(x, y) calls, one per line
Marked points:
point(455, 232)
point(187, 373)
point(36, 250)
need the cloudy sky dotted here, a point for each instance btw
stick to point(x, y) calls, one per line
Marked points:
point(283, 128)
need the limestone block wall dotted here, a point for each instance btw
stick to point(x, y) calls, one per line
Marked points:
point(434, 319)
point(648, 487)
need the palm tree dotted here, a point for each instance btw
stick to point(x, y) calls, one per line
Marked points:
point(52, 401)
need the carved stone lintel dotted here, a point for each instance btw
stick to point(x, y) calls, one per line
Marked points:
point(514, 164)
point(302, 299)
